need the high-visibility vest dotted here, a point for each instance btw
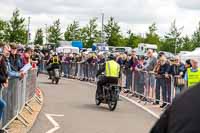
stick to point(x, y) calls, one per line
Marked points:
point(193, 77)
point(55, 60)
point(112, 69)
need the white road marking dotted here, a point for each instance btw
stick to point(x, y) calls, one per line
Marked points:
point(132, 101)
point(139, 105)
point(55, 124)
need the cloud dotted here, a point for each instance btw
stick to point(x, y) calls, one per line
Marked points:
point(188, 4)
point(131, 14)
point(7, 7)
point(132, 11)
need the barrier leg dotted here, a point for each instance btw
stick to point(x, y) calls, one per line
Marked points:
point(28, 108)
point(22, 121)
point(38, 100)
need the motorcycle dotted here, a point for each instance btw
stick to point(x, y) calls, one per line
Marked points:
point(109, 96)
point(55, 76)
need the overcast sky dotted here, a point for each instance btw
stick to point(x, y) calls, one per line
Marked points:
point(131, 14)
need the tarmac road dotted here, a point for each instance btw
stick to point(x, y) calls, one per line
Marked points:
point(75, 100)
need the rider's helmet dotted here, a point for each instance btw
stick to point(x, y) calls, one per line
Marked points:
point(55, 54)
point(111, 57)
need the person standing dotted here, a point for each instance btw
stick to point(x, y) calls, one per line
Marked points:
point(178, 70)
point(151, 62)
point(130, 65)
point(11, 73)
point(26, 57)
point(15, 60)
point(162, 76)
point(192, 76)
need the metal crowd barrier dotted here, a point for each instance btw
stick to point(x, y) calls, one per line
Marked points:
point(80, 70)
point(150, 87)
point(17, 95)
point(43, 66)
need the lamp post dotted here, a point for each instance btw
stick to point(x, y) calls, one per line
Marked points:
point(28, 34)
point(175, 46)
point(46, 39)
point(102, 30)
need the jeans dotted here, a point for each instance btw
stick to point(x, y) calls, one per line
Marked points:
point(92, 71)
point(128, 79)
point(65, 69)
point(178, 89)
point(161, 83)
point(86, 71)
point(2, 106)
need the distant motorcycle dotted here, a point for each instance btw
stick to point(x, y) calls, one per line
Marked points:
point(110, 96)
point(55, 76)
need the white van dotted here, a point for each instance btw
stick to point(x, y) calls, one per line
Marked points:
point(143, 48)
point(123, 49)
point(67, 50)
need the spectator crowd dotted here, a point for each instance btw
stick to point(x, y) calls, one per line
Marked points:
point(162, 68)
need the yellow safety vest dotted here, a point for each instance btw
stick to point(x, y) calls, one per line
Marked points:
point(193, 77)
point(112, 69)
point(55, 60)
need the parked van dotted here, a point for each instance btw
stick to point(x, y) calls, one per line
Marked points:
point(143, 48)
point(67, 50)
point(123, 49)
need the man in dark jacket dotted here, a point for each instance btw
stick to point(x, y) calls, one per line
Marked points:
point(183, 115)
point(15, 60)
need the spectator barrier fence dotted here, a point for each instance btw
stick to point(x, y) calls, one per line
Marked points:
point(147, 86)
point(17, 96)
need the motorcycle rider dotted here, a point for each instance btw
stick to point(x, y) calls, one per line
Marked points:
point(112, 73)
point(54, 63)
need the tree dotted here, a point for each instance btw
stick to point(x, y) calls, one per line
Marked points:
point(172, 39)
point(72, 32)
point(151, 36)
point(54, 32)
point(112, 30)
point(3, 27)
point(84, 36)
point(39, 37)
point(196, 38)
point(186, 44)
point(16, 30)
point(90, 34)
point(132, 40)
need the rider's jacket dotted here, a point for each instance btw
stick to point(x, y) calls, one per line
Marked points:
point(112, 69)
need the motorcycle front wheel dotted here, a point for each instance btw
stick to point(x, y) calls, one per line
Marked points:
point(112, 105)
point(57, 80)
point(52, 81)
point(97, 100)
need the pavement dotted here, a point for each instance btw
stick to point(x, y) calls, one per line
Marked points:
point(17, 127)
point(69, 107)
